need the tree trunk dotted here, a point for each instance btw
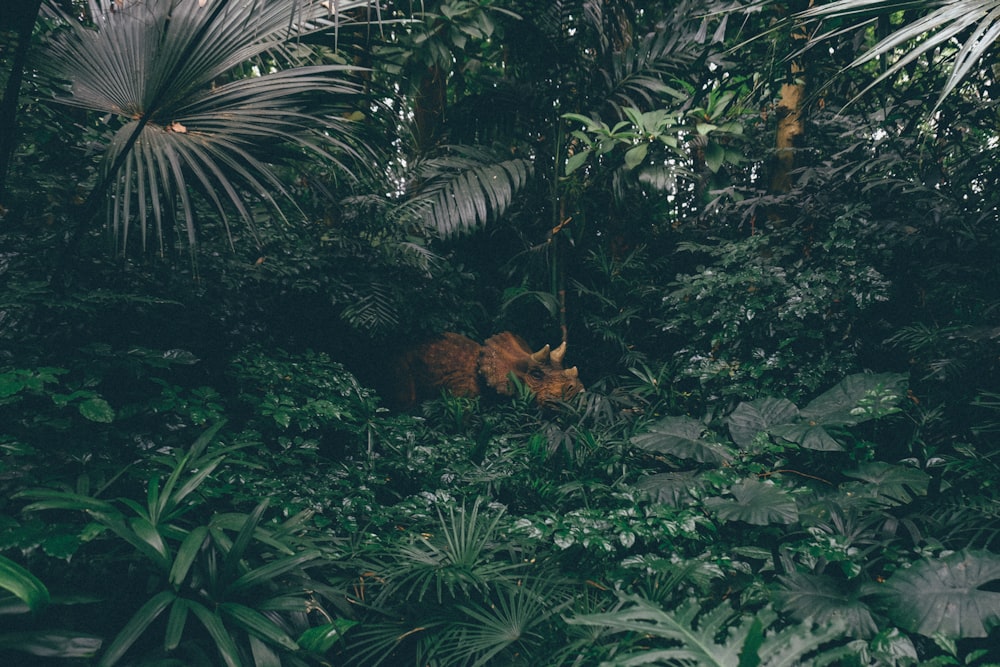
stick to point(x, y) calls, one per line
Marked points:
point(791, 131)
point(18, 17)
point(429, 108)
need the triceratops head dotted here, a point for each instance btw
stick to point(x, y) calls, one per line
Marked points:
point(541, 371)
point(466, 368)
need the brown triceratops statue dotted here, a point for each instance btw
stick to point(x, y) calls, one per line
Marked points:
point(466, 368)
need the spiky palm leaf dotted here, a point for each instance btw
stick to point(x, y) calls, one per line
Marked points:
point(507, 625)
point(190, 122)
point(963, 30)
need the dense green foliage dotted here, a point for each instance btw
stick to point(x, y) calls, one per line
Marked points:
point(768, 234)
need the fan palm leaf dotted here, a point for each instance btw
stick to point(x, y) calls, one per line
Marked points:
point(964, 31)
point(192, 117)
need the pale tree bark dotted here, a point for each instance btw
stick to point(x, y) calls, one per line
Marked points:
point(790, 131)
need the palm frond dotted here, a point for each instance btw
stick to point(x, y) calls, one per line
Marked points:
point(465, 188)
point(193, 116)
point(507, 624)
point(639, 73)
point(962, 30)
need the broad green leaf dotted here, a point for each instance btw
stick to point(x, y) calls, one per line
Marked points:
point(855, 399)
point(945, 596)
point(671, 488)
point(186, 554)
point(715, 155)
point(892, 647)
point(23, 584)
point(753, 417)
point(825, 599)
point(256, 623)
point(137, 625)
point(809, 435)
point(681, 437)
point(322, 638)
point(897, 483)
point(97, 409)
point(755, 502)
point(635, 155)
point(577, 160)
point(837, 406)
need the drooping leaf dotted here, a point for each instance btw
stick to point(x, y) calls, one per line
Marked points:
point(189, 121)
point(681, 437)
point(931, 28)
point(635, 155)
point(825, 599)
point(946, 596)
point(837, 406)
point(671, 488)
point(577, 160)
point(715, 155)
point(844, 405)
point(809, 435)
point(888, 483)
point(755, 502)
point(753, 417)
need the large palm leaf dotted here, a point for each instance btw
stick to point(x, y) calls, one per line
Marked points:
point(188, 121)
point(963, 30)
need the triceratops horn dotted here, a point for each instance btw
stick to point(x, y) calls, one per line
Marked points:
point(541, 355)
point(571, 372)
point(559, 353)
